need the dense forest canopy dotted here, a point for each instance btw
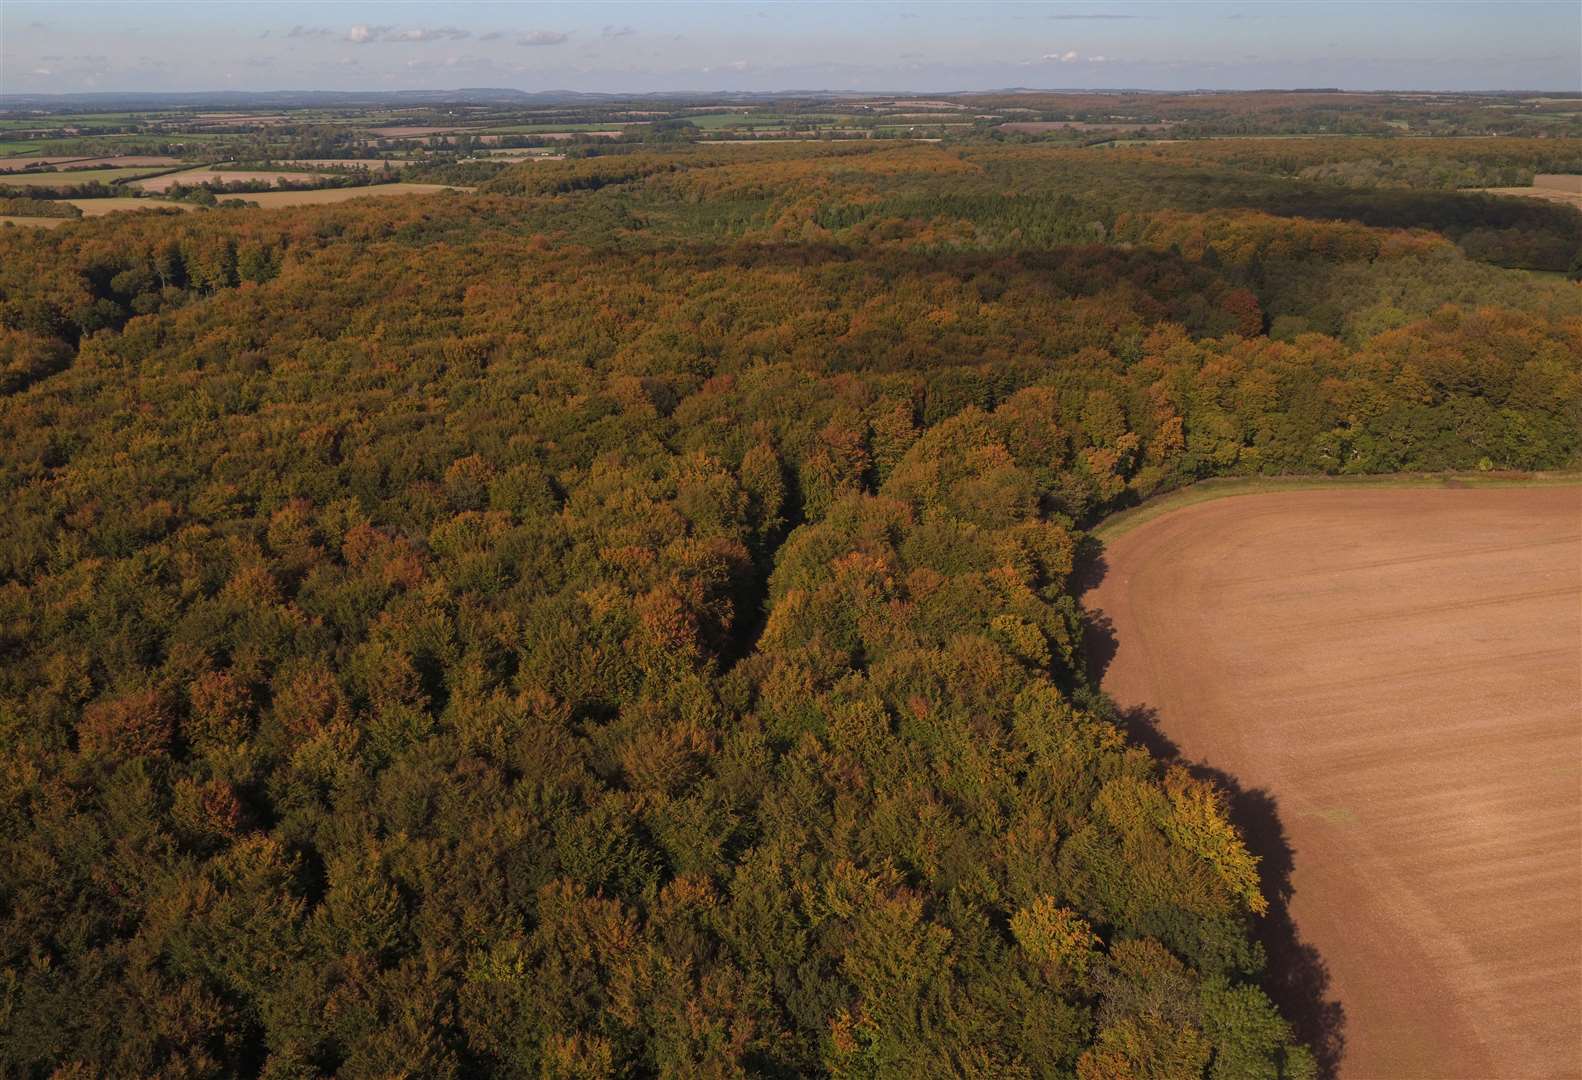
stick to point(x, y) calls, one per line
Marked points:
point(621, 622)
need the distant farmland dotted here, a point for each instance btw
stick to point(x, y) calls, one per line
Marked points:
point(344, 194)
point(1044, 127)
point(225, 176)
point(34, 222)
point(97, 208)
point(122, 204)
point(373, 164)
point(115, 161)
point(74, 177)
point(1554, 187)
point(32, 162)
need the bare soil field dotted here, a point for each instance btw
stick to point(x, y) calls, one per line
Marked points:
point(335, 195)
point(1390, 683)
point(208, 175)
point(347, 163)
point(120, 161)
point(100, 207)
point(1565, 198)
point(95, 208)
point(1039, 127)
point(1571, 182)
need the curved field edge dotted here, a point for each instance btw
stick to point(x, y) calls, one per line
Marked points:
point(1115, 525)
point(1315, 672)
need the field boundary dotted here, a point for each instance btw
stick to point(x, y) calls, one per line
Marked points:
point(126, 180)
point(1124, 521)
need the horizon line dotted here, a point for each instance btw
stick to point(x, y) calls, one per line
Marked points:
point(800, 90)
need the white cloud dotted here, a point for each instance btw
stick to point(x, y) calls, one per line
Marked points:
point(1063, 58)
point(438, 33)
point(542, 37)
point(363, 34)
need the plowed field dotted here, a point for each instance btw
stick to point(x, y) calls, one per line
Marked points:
point(1391, 681)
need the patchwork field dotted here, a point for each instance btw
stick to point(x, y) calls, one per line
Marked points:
point(73, 176)
point(95, 208)
point(418, 131)
point(1027, 127)
point(1553, 187)
point(1564, 198)
point(518, 156)
point(69, 165)
point(335, 195)
point(1392, 680)
point(208, 175)
point(565, 136)
point(346, 163)
point(100, 207)
point(33, 161)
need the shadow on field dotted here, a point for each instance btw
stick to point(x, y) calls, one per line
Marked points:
point(1098, 632)
point(1296, 978)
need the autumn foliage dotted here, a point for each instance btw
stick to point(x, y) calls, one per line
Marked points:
point(622, 622)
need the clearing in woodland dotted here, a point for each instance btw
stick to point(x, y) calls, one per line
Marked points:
point(1390, 679)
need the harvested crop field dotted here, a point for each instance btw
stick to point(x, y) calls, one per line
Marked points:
point(347, 163)
point(1565, 198)
point(1392, 681)
point(225, 176)
point(30, 161)
point(117, 161)
point(121, 204)
point(72, 177)
point(335, 195)
point(1571, 182)
point(97, 208)
point(1040, 127)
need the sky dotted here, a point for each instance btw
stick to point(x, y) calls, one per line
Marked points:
point(907, 45)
